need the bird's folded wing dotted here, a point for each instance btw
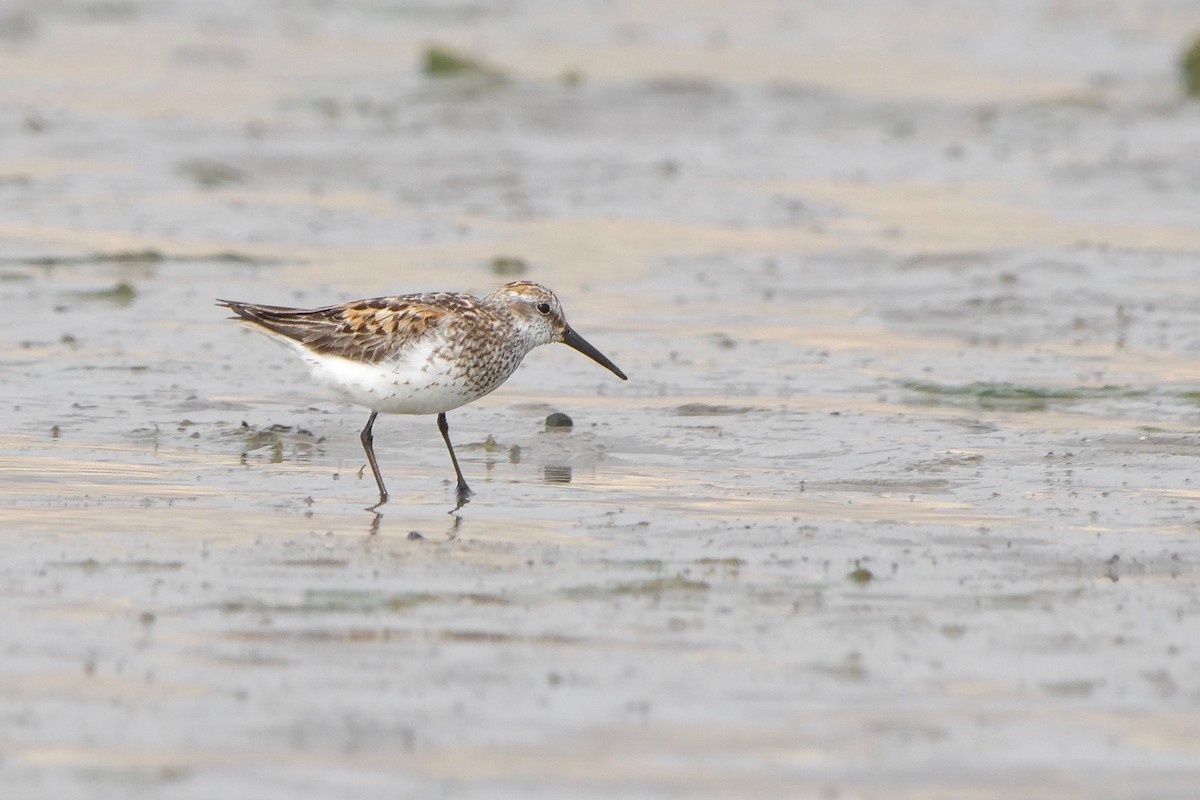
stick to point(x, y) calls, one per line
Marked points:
point(363, 330)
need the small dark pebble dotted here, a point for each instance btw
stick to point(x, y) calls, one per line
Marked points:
point(558, 420)
point(415, 535)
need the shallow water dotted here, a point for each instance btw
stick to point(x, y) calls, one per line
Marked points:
point(898, 500)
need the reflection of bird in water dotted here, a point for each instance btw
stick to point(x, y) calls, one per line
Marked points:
point(377, 520)
point(421, 353)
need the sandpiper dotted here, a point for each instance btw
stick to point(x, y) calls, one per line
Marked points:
point(420, 353)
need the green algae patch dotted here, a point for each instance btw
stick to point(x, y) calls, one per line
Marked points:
point(121, 294)
point(653, 587)
point(144, 257)
point(439, 61)
point(349, 601)
point(509, 266)
point(710, 410)
point(210, 174)
point(861, 575)
point(732, 562)
point(1015, 397)
point(1189, 68)
point(657, 586)
point(407, 600)
point(317, 563)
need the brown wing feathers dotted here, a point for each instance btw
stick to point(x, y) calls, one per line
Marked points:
point(365, 330)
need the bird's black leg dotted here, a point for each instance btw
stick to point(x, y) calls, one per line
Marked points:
point(368, 443)
point(462, 492)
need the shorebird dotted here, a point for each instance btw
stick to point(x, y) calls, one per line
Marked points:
point(420, 353)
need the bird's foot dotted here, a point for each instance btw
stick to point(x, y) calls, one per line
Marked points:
point(462, 495)
point(383, 498)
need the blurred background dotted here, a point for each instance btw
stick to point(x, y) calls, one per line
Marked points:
point(898, 500)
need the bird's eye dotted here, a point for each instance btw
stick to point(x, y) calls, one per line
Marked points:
point(543, 308)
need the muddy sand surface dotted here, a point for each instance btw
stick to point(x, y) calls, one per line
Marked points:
point(900, 500)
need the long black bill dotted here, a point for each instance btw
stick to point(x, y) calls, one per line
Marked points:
point(573, 339)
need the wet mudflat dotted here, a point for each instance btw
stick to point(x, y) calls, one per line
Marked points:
point(900, 500)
